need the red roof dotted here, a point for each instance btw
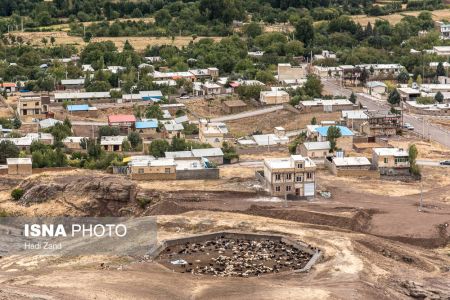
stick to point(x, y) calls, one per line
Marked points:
point(8, 84)
point(121, 119)
point(234, 84)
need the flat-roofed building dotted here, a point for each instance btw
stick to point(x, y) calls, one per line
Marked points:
point(274, 97)
point(234, 106)
point(286, 71)
point(112, 143)
point(314, 149)
point(381, 123)
point(323, 105)
point(153, 169)
point(212, 133)
point(349, 166)
point(391, 161)
point(354, 118)
point(73, 84)
point(19, 166)
point(30, 106)
point(147, 127)
point(81, 96)
point(74, 142)
point(344, 142)
point(292, 176)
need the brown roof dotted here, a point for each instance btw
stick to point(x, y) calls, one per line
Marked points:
point(234, 103)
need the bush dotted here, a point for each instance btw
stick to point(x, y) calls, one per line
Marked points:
point(4, 213)
point(143, 202)
point(17, 193)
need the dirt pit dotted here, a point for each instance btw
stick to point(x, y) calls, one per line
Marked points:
point(236, 256)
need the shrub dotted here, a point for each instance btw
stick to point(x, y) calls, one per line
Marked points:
point(17, 193)
point(143, 202)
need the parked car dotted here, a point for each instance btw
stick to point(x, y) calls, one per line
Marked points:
point(445, 163)
point(408, 126)
point(184, 97)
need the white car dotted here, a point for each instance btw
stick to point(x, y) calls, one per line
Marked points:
point(408, 126)
point(185, 97)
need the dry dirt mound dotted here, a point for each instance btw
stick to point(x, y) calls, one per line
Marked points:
point(92, 195)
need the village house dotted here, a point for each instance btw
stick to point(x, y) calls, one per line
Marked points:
point(293, 176)
point(155, 169)
point(345, 142)
point(73, 142)
point(31, 106)
point(391, 161)
point(154, 96)
point(19, 166)
point(73, 84)
point(314, 150)
point(125, 122)
point(326, 72)
point(353, 119)
point(213, 155)
point(325, 54)
point(442, 50)
point(322, 105)
point(382, 70)
point(444, 29)
point(234, 106)
point(375, 88)
point(205, 74)
point(436, 109)
point(112, 143)
point(82, 110)
point(172, 129)
point(81, 96)
point(288, 72)
point(212, 133)
point(278, 137)
point(207, 88)
point(349, 166)
point(273, 97)
point(381, 123)
point(147, 128)
point(408, 94)
point(9, 87)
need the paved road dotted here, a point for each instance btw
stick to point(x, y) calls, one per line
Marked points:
point(247, 114)
point(430, 163)
point(421, 125)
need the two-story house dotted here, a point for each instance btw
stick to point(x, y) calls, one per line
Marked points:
point(391, 161)
point(293, 176)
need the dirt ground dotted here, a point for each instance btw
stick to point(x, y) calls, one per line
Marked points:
point(201, 108)
point(139, 43)
point(437, 15)
point(284, 118)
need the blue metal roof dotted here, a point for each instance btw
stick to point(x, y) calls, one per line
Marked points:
point(147, 124)
point(344, 130)
point(79, 107)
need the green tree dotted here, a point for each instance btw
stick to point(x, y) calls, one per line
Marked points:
point(154, 112)
point(352, 98)
point(403, 77)
point(178, 144)
point(394, 97)
point(163, 17)
point(94, 150)
point(419, 80)
point(313, 86)
point(107, 131)
point(333, 133)
point(412, 156)
point(252, 30)
point(439, 97)
point(158, 147)
point(126, 145)
point(304, 30)
point(17, 193)
point(16, 123)
point(7, 150)
point(313, 121)
point(440, 70)
point(134, 139)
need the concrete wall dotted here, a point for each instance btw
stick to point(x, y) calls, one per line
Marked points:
point(198, 174)
point(153, 176)
point(19, 169)
point(56, 169)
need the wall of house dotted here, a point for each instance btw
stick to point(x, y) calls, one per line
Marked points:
point(345, 143)
point(20, 169)
point(198, 174)
point(153, 176)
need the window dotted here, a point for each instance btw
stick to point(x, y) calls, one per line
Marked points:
point(36, 103)
point(24, 105)
point(309, 175)
point(277, 188)
point(289, 176)
point(299, 179)
point(385, 160)
point(277, 176)
point(288, 188)
point(141, 171)
point(300, 165)
point(167, 170)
